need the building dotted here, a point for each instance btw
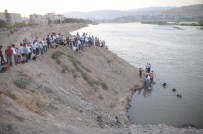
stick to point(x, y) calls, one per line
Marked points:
point(38, 19)
point(44, 19)
point(10, 18)
point(54, 16)
point(2, 17)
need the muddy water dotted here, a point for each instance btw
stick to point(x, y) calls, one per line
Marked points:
point(176, 57)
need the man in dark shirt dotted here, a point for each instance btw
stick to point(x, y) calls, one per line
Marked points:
point(1, 55)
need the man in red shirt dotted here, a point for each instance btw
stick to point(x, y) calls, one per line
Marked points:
point(9, 54)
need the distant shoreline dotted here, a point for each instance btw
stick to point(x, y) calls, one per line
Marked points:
point(173, 23)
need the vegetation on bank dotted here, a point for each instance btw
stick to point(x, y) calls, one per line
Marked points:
point(81, 69)
point(69, 20)
point(192, 24)
point(3, 24)
point(84, 73)
point(17, 25)
point(157, 22)
point(172, 23)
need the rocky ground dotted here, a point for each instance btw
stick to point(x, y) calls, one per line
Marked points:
point(67, 92)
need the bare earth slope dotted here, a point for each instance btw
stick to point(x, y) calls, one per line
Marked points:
point(66, 92)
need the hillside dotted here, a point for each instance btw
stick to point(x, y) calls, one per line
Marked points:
point(193, 10)
point(185, 13)
point(111, 14)
point(64, 89)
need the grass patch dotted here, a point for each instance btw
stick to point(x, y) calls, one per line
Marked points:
point(58, 61)
point(85, 76)
point(102, 84)
point(22, 82)
point(75, 75)
point(11, 95)
point(43, 105)
point(56, 55)
point(86, 69)
point(101, 97)
point(64, 68)
point(112, 105)
point(48, 90)
point(109, 61)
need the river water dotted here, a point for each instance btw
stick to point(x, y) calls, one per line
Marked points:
point(176, 57)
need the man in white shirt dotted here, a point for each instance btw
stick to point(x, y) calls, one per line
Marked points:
point(14, 53)
point(28, 47)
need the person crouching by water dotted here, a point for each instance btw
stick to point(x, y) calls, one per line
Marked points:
point(151, 77)
point(145, 80)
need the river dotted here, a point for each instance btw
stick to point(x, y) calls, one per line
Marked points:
point(176, 57)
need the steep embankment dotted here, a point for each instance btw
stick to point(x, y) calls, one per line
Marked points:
point(63, 89)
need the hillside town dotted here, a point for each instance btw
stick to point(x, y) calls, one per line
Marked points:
point(11, 18)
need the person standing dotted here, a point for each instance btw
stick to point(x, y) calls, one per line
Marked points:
point(140, 72)
point(149, 68)
point(14, 53)
point(1, 55)
point(9, 54)
point(41, 47)
point(48, 41)
point(44, 44)
point(28, 47)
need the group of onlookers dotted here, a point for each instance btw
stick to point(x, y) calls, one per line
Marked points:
point(27, 50)
point(78, 42)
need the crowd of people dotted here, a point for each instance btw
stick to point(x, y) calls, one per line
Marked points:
point(30, 50)
point(149, 77)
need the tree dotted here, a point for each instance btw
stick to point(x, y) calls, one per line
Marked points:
point(2, 24)
point(49, 21)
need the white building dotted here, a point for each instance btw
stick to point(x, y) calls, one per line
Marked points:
point(10, 18)
point(15, 18)
point(54, 16)
point(2, 17)
point(43, 20)
point(38, 19)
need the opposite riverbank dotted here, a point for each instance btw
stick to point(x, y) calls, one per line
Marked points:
point(71, 92)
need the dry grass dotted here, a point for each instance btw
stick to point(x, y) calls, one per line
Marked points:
point(11, 95)
point(38, 104)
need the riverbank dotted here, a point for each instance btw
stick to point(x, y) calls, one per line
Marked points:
point(80, 88)
point(67, 94)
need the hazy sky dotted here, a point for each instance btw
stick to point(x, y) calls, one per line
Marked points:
point(26, 7)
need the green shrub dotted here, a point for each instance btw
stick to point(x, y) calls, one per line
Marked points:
point(64, 68)
point(11, 95)
point(56, 55)
point(109, 61)
point(102, 84)
point(112, 105)
point(22, 82)
point(43, 105)
point(48, 90)
point(84, 75)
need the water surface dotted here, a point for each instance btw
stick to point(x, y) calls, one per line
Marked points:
point(176, 57)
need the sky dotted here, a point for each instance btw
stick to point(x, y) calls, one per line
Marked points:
point(27, 7)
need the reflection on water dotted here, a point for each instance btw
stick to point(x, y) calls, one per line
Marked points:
point(176, 57)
